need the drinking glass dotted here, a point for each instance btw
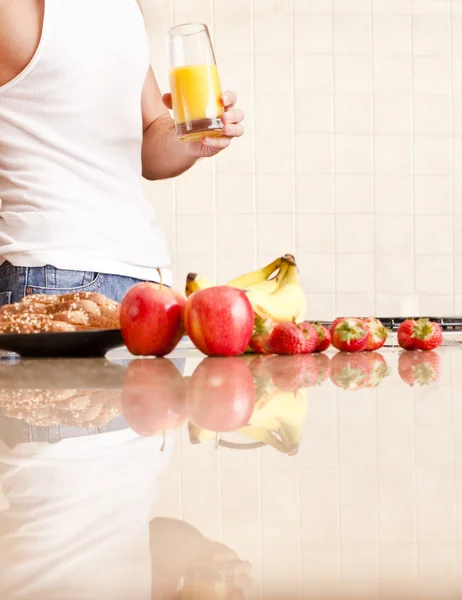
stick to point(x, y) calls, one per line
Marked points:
point(194, 83)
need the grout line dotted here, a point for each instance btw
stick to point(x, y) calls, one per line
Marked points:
point(214, 168)
point(254, 139)
point(414, 299)
point(453, 178)
point(333, 173)
point(372, 125)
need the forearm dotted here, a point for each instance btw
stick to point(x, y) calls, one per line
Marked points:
point(163, 154)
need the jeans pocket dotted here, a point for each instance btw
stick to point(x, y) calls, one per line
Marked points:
point(58, 281)
point(5, 298)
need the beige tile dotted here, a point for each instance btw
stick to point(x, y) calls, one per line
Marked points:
point(355, 304)
point(275, 234)
point(398, 526)
point(397, 485)
point(392, 75)
point(268, 112)
point(317, 273)
point(359, 560)
point(348, 267)
point(269, 67)
point(205, 520)
point(395, 445)
point(354, 194)
point(357, 446)
point(430, 7)
point(233, 32)
point(352, 6)
point(319, 447)
point(457, 149)
point(432, 115)
point(353, 74)
point(431, 35)
point(433, 235)
point(199, 489)
point(393, 194)
point(456, 24)
point(314, 114)
point(392, 114)
point(358, 524)
point(436, 304)
point(274, 152)
point(354, 234)
point(273, 33)
point(435, 484)
point(262, 7)
point(434, 445)
point(241, 533)
point(392, 304)
point(433, 194)
point(458, 235)
point(235, 234)
point(314, 153)
point(194, 195)
point(321, 307)
point(320, 525)
point(193, 263)
point(313, 74)
point(353, 113)
point(394, 235)
point(432, 75)
point(391, 34)
point(394, 7)
point(275, 194)
point(279, 488)
point(353, 153)
point(393, 155)
point(433, 406)
point(313, 34)
point(301, 7)
point(323, 406)
point(437, 522)
point(395, 274)
point(395, 405)
point(230, 266)
point(187, 234)
point(432, 155)
point(161, 194)
point(314, 194)
point(238, 158)
point(238, 461)
point(320, 566)
point(442, 268)
point(358, 486)
point(358, 409)
point(352, 34)
point(318, 487)
point(398, 570)
point(234, 194)
point(240, 490)
point(236, 72)
point(315, 233)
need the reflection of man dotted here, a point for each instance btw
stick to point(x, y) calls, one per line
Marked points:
point(204, 570)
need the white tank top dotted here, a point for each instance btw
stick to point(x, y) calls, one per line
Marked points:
point(70, 146)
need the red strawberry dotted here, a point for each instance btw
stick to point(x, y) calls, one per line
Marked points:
point(260, 336)
point(334, 323)
point(419, 368)
point(290, 338)
point(323, 367)
point(428, 335)
point(324, 337)
point(405, 334)
point(377, 334)
point(350, 335)
point(422, 334)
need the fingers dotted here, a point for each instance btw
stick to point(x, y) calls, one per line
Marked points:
point(233, 116)
point(233, 130)
point(219, 143)
point(167, 100)
point(229, 99)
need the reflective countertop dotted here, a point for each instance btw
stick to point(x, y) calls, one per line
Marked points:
point(332, 476)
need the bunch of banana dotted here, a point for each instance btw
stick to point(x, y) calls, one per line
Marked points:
point(273, 291)
point(276, 421)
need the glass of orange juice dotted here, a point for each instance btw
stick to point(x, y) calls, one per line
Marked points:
point(194, 83)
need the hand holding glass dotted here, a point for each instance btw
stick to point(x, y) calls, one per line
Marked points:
point(194, 83)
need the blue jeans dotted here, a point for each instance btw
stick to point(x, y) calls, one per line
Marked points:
point(17, 282)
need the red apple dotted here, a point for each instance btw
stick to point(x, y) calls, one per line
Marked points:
point(154, 396)
point(221, 394)
point(219, 321)
point(151, 319)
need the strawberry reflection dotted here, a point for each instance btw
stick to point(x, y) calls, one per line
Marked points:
point(362, 370)
point(154, 396)
point(419, 368)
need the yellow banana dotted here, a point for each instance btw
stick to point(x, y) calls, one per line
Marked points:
point(287, 303)
point(195, 283)
point(269, 286)
point(269, 438)
point(254, 277)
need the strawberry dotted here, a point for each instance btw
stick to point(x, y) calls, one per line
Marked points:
point(405, 333)
point(290, 338)
point(260, 336)
point(324, 337)
point(323, 370)
point(334, 323)
point(428, 335)
point(378, 368)
point(422, 334)
point(419, 368)
point(377, 334)
point(350, 335)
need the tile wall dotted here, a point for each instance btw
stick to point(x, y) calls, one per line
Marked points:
point(352, 157)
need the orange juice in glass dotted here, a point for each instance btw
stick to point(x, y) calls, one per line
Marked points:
point(194, 83)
